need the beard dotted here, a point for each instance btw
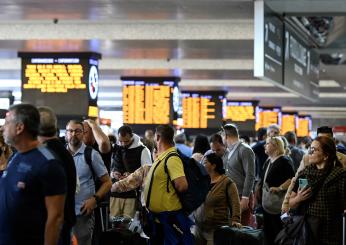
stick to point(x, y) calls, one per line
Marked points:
point(74, 141)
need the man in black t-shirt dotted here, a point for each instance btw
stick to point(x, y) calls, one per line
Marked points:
point(33, 187)
point(48, 137)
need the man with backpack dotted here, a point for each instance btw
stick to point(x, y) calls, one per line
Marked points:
point(164, 183)
point(87, 198)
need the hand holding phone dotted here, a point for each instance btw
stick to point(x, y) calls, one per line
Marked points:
point(303, 183)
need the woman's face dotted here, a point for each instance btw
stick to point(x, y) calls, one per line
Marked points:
point(269, 147)
point(316, 155)
point(208, 166)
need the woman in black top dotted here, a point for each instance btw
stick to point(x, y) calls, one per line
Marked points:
point(277, 177)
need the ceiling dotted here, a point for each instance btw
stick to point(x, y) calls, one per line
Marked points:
point(208, 43)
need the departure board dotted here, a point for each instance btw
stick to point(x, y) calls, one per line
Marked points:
point(241, 113)
point(304, 126)
point(267, 116)
point(149, 100)
point(201, 110)
point(66, 82)
point(288, 122)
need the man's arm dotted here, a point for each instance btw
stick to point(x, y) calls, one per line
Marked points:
point(91, 203)
point(55, 217)
point(248, 161)
point(180, 184)
point(100, 137)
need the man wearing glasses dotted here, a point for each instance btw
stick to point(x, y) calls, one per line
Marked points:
point(87, 198)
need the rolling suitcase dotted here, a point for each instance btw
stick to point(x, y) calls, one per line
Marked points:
point(226, 235)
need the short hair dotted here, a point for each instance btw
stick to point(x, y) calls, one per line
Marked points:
point(166, 133)
point(273, 126)
point(216, 138)
point(291, 137)
point(278, 143)
point(180, 138)
point(48, 122)
point(216, 160)
point(261, 133)
point(125, 130)
point(29, 116)
point(201, 144)
point(231, 130)
point(76, 122)
point(325, 130)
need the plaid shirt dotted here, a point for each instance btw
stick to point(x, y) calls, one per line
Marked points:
point(329, 204)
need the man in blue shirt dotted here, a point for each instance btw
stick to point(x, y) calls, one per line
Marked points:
point(87, 198)
point(33, 187)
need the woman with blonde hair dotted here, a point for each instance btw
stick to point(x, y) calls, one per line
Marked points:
point(5, 153)
point(277, 177)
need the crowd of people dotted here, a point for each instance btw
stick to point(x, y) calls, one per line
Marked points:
point(51, 191)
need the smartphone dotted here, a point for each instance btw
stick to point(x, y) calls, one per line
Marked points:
point(303, 183)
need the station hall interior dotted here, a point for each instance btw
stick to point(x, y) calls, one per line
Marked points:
point(208, 44)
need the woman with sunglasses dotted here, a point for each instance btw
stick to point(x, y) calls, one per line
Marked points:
point(324, 193)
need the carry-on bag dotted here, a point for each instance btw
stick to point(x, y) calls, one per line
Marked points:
point(226, 235)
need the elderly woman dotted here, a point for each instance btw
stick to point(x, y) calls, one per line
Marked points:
point(325, 194)
point(5, 153)
point(277, 177)
point(221, 206)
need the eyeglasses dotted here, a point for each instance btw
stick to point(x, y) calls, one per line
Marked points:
point(312, 150)
point(76, 131)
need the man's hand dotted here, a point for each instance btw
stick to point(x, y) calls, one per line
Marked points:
point(88, 206)
point(244, 204)
point(115, 175)
point(236, 224)
point(275, 189)
point(90, 122)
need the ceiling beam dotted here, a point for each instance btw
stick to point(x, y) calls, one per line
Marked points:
point(128, 30)
point(186, 64)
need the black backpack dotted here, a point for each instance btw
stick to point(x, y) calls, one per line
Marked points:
point(198, 182)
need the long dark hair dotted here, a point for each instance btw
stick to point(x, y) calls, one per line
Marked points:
point(329, 149)
point(216, 160)
point(201, 144)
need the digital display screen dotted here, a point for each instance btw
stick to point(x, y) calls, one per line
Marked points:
point(304, 126)
point(66, 82)
point(267, 116)
point(288, 122)
point(149, 101)
point(202, 109)
point(241, 113)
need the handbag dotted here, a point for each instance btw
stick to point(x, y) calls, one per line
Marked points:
point(272, 201)
point(299, 230)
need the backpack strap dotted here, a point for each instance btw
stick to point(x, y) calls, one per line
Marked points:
point(166, 169)
point(147, 203)
point(88, 160)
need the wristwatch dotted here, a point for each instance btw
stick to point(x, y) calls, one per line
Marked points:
point(97, 199)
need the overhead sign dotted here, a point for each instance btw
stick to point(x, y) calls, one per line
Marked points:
point(241, 113)
point(267, 116)
point(304, 126)
point(201, 110)
point(268, 55)
point(301, 66)
point(288, 122)
point(150, 100)
point(66, 82)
